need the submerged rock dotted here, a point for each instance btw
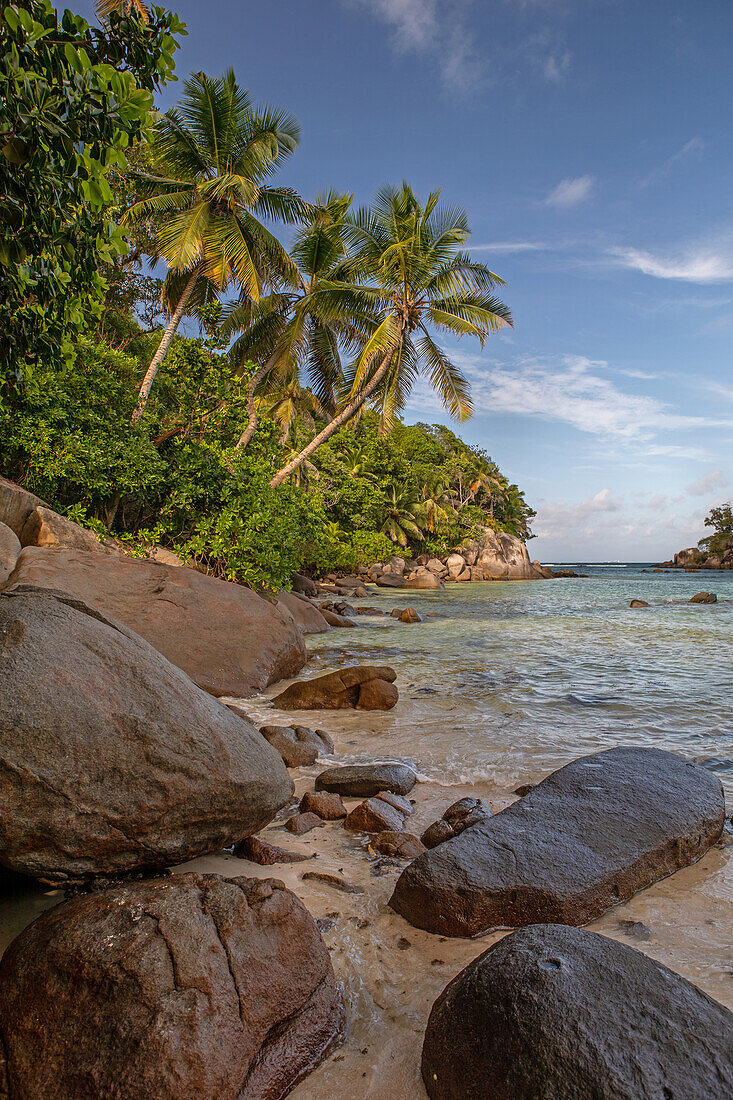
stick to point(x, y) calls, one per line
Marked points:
point(111, 759)
point(363, 687)
point(227, 638)
point(638, 603)
point(589, 836)
point(704, 597)
point(562, 1013)
point(188, 986)
point(367, 780)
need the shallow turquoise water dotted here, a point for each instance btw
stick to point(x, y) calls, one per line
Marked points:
point(508, 680)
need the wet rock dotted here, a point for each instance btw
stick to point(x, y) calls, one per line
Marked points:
point(307, 617)
point(399, 802)
point(524, 788)
point(374, 816)
point(367, 780)
point(590, 835)
point(390, 580)
point(558, 1012)
point(334, 881)
point(188, 986)
point(334, 619)
point(111, 759)
point(325, 924)
point(436, 833)
point(397, 843)
point(362, 687)
point(327, 806)
point(704, 597)
point(638, 603)
point(298, 746)
point(266, 855)
point(225, 637)
point(410, 615)
point(300, 824)
point(16, 504)
point(9, 551)
point(459, 816)
point(360, 593)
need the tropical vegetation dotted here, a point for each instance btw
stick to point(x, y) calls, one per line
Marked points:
point(176, 373)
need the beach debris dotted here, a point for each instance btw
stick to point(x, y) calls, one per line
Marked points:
point(589, 836)
point(361, 687)
point(335, 881)
point(265, 854)
point(527, 1018)
point(366, 780)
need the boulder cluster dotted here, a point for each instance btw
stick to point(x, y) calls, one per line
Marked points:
point(692, 559)
point(497, 556)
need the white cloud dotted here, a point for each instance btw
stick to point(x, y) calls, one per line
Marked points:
point(573, 390)
point(703, 264)
point(690, 150)
point(556, 66)
point(557, 518)
point(707, 484)
point(432, 27)
point(570, 192)
point(509, 246)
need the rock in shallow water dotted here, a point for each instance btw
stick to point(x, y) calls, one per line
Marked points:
point(362, 687)
point(559, 1013)
point(111, 759)
point(188, 986)
point(589, 836)
point(367, 780)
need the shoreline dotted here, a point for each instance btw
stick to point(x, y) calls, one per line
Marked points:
point(392, 972)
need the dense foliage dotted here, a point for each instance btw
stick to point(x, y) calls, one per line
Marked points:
point(73, 99)
point(721, 520)
point(287, 452)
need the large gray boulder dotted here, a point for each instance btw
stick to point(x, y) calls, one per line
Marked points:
point(558, 1013)
point(503, 557)
point(191, 986)
point(9, 551)
point(111, 759)
point(227, 638)
point(589, 836)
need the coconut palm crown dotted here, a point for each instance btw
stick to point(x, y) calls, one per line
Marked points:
point(214, 156)
point(413, 274)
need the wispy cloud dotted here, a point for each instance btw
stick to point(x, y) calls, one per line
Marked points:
point(573, 390)
point(509, 246)
point(697, 264)
point(570, 192)
point(691, 150)
point(431, 27)
point(707, 484)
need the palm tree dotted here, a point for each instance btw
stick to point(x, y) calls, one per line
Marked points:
point(284, 330)
point(214, 155)
point(106, 7)
point(437, 502)
point(405, 516)
point(289, 405)
point(419, 279)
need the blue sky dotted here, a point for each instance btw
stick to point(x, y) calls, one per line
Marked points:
point(591, 142)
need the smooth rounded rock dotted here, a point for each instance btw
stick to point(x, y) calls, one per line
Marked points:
point(367, 780)
point(9, 551)
point(589, 836)
point(175, 988)
point(111, 759)
point(559, 1013)
point(361, 687)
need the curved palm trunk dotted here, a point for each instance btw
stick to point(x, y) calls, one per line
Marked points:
point(170, 331)
point(336, 423)
point(254, 382)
